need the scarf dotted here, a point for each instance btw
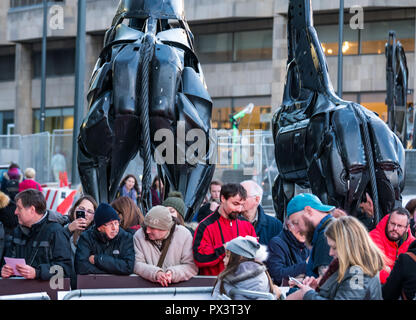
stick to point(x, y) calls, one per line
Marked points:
point(333, 267)
point(131, 194)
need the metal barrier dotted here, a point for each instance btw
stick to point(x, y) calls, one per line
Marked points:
point(27, 296)
point(183, 293)
point(249, 294)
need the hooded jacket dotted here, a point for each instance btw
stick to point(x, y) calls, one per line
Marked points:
point(287, 257)
point(43, 246)
point(179, 259)
point(7, 216)
point(390, 248)
point(115, 256)
point(248, 276)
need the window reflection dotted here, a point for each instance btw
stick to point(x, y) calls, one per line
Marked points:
point(375, 35)
point(258, 119)
point(328, 36)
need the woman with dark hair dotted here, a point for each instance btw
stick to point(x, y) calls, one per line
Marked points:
point(129, 188)
point(130, 215)
point(81, 216)
point(244, 270)
point(157, 191)
point(411, 207)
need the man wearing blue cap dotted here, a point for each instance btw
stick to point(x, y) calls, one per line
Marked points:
point(309, 216)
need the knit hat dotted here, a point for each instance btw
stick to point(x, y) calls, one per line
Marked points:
point(159, 217)
point(105, 213)
point(14, 173)
point(244, 246)
point(299, 202)
point(175, 200)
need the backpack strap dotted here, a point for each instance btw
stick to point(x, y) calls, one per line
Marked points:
point(165, 248)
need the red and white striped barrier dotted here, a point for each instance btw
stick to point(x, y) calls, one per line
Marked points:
point(59, 199)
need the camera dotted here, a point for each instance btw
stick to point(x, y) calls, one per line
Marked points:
point(79, 214)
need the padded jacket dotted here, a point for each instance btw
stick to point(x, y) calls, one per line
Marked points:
point(115, 256)
point(43, 246)
point(390, 248)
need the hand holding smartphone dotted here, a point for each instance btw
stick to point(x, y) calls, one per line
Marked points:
point(79, 214)
point(295, 281)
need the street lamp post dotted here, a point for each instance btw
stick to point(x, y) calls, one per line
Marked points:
point(43, 67)
point(340, 43)
point(79, 86)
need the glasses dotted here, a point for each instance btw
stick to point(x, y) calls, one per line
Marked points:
point(89, 211)
point(398, 226)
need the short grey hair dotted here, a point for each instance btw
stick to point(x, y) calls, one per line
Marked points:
point(254, 189)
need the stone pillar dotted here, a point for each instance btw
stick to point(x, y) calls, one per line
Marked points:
point(93, 47)
point(23, 73)
point(279, 58)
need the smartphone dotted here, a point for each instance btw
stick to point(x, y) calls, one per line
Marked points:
point(79, 214)
point(295, 280)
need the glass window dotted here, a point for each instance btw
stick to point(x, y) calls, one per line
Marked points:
point(375, 101)
point(375, 35)
point(23, 3)
point(55, 118)
point(254, 120)
point(221, 113)
point(328, 36)
point(59, 62)
point(212, 48)
point(257, 119)
point(6, 118)
point(253, 45)
point(7, 63)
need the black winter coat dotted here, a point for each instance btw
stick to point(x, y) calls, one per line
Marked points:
point(43, 246)
point(114, 256)
point(402, 278)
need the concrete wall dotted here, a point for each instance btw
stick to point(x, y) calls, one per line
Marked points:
point(239, 79)
point(26, 23)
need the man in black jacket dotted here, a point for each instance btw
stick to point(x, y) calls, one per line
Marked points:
point(105, 248)
point(39, 240)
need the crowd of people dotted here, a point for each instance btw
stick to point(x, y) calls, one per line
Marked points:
point(319, 251)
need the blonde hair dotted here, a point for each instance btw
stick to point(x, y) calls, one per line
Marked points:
point(30, 173)
point(354, 246)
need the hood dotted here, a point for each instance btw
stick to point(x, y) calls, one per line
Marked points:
point(381, 228)
point(4, 200)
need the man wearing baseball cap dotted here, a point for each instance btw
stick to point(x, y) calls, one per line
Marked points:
point(308, 215)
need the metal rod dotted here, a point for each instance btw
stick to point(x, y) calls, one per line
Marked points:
point(340, 43)
point(43, 67)
point(79, 86)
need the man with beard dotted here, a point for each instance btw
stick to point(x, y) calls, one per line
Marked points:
point(266, 226)
point(223, 225)
point(393, 236)
point(309, 217)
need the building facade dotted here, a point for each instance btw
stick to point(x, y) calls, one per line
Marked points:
point(241, 44)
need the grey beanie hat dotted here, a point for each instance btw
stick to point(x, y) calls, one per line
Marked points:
point(244, 246)
point(159, 217)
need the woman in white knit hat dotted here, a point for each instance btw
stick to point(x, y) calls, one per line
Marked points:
point(244, 269)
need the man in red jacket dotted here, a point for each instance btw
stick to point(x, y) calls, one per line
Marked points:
point(392, 235)
point(221, 226)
